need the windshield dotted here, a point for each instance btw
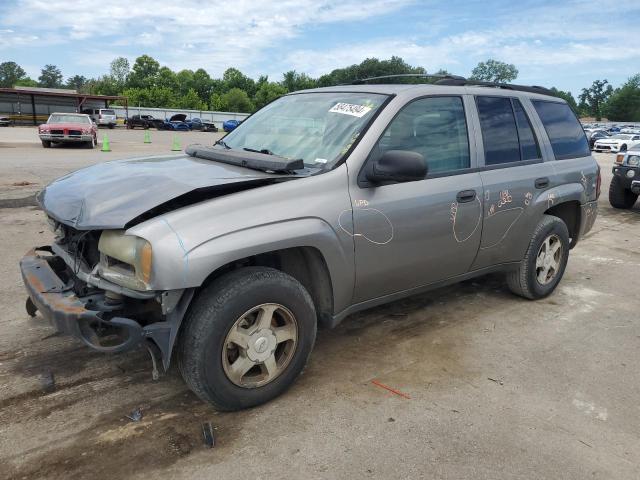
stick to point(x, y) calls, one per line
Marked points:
point(622, 137)
point(318, 128)
point(107, 112)
point(61, 118)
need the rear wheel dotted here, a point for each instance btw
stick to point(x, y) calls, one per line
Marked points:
point(246, 338)
point(620, 197)
point(544, 263)
point(46, 143)
point(88, 144)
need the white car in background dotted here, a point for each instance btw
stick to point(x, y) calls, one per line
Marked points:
point(616, 143)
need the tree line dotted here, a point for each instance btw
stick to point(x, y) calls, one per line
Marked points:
point(149, 84)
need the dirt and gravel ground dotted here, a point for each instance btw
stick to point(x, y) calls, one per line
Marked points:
point(496, 386)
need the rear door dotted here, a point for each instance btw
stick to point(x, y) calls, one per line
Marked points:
point(513, 176)
point(415, 233)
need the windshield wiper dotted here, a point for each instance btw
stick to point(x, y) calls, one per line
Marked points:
point(222, 142)
point(266, 151)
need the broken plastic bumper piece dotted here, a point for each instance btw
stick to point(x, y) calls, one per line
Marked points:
point(91, 319)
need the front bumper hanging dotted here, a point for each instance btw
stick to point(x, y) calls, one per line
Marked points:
point(91, 318)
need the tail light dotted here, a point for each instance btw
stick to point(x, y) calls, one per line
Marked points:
point(598, 183)
point(620, 158)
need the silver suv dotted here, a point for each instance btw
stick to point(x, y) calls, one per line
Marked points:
point(102, 116)
point(323, 203)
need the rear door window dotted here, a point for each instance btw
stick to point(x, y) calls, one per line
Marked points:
point(566, 135)
point(529, 149)
point(499, 130)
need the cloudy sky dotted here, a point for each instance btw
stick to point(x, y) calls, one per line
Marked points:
point(563, 44)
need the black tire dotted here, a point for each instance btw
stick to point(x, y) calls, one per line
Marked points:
point(111, 125)
point(46, 143)
point(620, 197)
point(523, 281)
point(88, 144)
point(623, 148)
point(209, 319)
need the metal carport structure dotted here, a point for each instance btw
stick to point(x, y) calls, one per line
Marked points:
point(31, 105)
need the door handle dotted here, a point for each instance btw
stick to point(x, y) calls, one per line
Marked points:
point(466, 196)
point(542, 182)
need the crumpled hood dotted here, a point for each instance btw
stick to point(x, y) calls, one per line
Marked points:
point(111, 194)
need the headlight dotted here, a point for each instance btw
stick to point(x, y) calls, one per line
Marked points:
point(125, 259)
point(633, 160)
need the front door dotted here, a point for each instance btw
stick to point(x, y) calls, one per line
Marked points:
point(415, 233)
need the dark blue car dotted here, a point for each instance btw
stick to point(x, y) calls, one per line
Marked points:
point(177, 122)
point(229, 125)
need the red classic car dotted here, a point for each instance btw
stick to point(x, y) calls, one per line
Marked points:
point(68, 127)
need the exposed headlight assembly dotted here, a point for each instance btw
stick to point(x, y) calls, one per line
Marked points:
point(125, 259)
point(633, 160)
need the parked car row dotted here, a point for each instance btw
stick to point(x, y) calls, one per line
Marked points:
point(176, 122)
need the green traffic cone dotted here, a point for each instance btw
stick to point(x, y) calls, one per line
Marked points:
point(105, 143)
point(147, 136)
point(175, 147)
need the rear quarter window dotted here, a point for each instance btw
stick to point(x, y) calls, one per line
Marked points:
point(566, 135)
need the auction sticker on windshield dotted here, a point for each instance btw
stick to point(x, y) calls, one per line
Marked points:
point(350, 109)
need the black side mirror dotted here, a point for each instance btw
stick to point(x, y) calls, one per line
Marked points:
point(397, 166)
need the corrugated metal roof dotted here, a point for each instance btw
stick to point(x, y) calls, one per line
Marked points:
point(59, 92)
point(46, 90)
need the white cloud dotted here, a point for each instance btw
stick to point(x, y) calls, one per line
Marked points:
point(224, 33)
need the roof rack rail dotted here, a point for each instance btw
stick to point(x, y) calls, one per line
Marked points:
point(457, 80)
point(410, 75)
point(507, 86)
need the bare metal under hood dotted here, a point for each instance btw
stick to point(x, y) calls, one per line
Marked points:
point(114, 194)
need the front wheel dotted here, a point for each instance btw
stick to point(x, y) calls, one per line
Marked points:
point(544, 262)
point(247, 337)
point(46, 143)
point(620, 197)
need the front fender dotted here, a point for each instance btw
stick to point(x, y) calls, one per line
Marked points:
point(177, 266)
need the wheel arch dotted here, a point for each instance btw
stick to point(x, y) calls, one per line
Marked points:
point(304, 263)
point(570, 213)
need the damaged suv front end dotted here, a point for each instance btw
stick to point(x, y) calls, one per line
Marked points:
point(98, 281)
point(95, 286)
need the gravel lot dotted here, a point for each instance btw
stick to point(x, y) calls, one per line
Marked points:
point(498, 387)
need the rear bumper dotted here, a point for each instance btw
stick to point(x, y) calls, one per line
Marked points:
point(588, 217)
point(85, 318)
